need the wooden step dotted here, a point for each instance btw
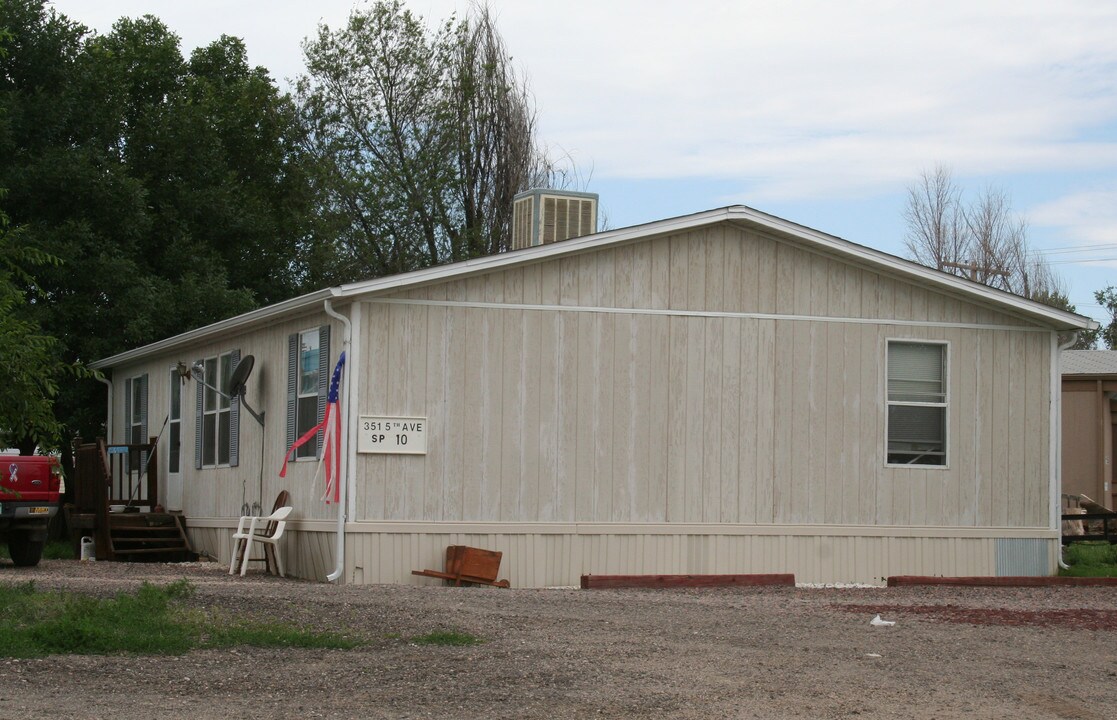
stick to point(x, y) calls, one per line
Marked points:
point(158, 536)
point(145, 531)
point(149, 551)
point(148, 542)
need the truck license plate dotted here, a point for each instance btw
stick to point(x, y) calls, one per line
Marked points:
point(38, 510)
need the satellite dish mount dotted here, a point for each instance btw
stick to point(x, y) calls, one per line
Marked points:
point(237, 384)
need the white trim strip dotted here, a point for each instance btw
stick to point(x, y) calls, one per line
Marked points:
point(560, 528)
point(912, 270)
point(478, 305)
point(738, 214)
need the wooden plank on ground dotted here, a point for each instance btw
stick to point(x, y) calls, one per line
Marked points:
point(603, 582)
point(1006, 581)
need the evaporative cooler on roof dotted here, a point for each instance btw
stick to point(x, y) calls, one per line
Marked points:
point(540, 217)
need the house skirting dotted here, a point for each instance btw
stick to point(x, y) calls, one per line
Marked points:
point(557, 554)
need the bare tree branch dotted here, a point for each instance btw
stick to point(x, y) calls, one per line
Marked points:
point(984, 241)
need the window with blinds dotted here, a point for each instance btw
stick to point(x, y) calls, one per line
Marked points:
point(917, 403)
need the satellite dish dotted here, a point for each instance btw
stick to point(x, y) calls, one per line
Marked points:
point(240, 376)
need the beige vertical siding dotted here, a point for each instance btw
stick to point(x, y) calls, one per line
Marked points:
point(741, 429)
point(614, 416)
point(558, 556)
point(722, 269)
point(306, 553)
point(1084, 420)
point(220, 492)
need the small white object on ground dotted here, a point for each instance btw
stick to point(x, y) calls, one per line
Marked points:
point(877, 622)
point(872, 655)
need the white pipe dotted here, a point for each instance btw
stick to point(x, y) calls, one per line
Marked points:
point(354, 360)
point(343, 471)
point(108, 426)
point(1057, 372)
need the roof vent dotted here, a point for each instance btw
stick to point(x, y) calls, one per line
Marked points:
point(541, 217)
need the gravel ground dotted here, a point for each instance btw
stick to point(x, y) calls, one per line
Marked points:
point(734, 653)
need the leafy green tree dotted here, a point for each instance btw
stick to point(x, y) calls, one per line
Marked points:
point(1083, 339)
point(1107, 298)
point(421, 137)
point(31, 368)
point(172, 190)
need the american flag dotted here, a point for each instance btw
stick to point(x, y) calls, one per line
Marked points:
point(331, 434)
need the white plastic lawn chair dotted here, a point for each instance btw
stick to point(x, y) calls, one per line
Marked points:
point(265, 530)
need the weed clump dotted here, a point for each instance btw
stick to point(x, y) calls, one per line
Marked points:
point(150, 621)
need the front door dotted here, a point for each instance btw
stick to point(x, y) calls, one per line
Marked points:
point(173, 499)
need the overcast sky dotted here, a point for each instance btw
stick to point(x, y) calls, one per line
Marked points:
point(819, 112)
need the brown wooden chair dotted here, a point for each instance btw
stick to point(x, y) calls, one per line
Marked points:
point(270, 559)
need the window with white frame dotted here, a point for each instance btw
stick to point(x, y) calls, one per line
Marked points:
point(308, 357)
point(174, 423)
point(217, 416)
point(135, 418)
point(137, 410)
point(917, 403)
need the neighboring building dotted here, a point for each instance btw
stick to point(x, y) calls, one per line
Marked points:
point(726, 392)
point(1090, 424)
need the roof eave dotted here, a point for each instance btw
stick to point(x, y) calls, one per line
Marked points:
point(204, 333)
point(1056, 318)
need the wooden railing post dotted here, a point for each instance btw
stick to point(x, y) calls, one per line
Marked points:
point(102, 486)
point(153, 474)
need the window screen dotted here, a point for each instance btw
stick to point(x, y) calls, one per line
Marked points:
point(917, 402)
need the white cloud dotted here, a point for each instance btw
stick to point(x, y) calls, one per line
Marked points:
point(794, 100)
point(792, 96)
point(1089, 217)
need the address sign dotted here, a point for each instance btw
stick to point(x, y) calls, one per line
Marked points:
point(397, 435)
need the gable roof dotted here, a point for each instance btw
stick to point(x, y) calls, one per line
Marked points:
point(1089, 362)
point(737, 215)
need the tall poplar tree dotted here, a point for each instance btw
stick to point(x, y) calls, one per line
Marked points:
point(422, 139)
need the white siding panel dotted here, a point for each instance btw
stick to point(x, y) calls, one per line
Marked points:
point(550, 559)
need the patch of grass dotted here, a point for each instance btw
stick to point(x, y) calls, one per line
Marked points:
point(150, 621)
point(59, 550)
point(1090, 559)
point(276, 635)
point(446, 637)
point(54, 550)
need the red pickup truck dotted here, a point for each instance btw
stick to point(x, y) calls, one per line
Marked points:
point(30, 490)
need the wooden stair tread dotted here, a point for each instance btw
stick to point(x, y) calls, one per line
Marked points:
point(147, 534)
point(145, 529)
point(148, 551)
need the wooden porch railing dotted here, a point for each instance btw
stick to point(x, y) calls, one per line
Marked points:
point(114, 475)
point(132, 472)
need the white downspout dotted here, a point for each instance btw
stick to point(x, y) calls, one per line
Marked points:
point(108, 425)
point(343, 472)
point(1057, 440)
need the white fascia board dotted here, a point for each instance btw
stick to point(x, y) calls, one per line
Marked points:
point(206, 333)
point(491, 263)
point(438, 273)
point(741, 214)
point(1059, 319)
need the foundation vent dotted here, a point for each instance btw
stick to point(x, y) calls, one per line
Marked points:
point(1024, 556)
